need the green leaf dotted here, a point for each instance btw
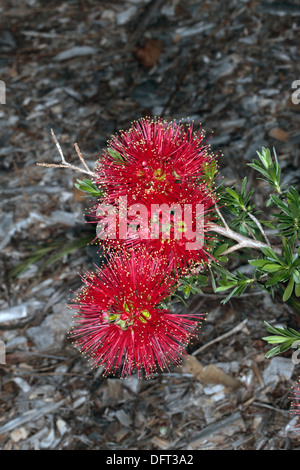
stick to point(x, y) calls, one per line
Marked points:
point(274, 329)
point(273, 352)
point(187, 291)
point(243, 188)
point(265, 157)
point(202, 279)
point(283, 206)
point(280, 348)
point(88, 186)
point(285, 346)
point(293, 332)
point(119, 159)
point(220, 249)
point(289, 289)
point(225, 287)
point(67, 249)
point(271, 267)
point(259, 263)
point(279, 277)
point(274, 339)
point(196, 289)
point(210, 172)
point(213, 282)
point(223, 259)
point(232, 293)
point(269, 253)
point(22, 266)
point(233, 193)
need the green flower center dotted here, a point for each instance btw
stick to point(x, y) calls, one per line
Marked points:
point(159, 174)
point(129, 316)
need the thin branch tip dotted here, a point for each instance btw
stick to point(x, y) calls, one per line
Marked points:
point(64, 163)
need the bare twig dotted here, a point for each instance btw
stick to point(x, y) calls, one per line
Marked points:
point(64, 163)
point(81, 157)
point(238, 246)
point(248, 230)
point(221, 217)
point(243, 242)
point(58, 147)
point(67, 165)
point(260, 227)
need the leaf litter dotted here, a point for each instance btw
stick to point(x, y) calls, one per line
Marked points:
point(86, 69)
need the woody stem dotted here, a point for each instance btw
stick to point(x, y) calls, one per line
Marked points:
point(243, 242)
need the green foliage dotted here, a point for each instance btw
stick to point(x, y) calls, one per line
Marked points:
point(269, 168)
point(288, 219)
point(223, 280)
point(239, 206)
point(87, 186)
point(192, 284)
point(284, 337)
point(280, 269)
point(118, 158)
point(271, 270)
point(210, 172)
point(218, 254)
point(240, 200)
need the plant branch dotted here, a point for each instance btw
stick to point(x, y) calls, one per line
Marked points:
point(260, 227)
point(243, 242)
point(248, 230)
point(81, 158)
point(64, 163)
point(221, 217)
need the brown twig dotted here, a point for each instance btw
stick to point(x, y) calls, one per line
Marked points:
point(81, 158)
point(64, 163)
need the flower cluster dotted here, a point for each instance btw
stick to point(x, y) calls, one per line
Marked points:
point(153, 216)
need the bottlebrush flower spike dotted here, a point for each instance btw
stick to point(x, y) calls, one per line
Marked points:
point(185, 243)
point(171, 226)
point(151, 157)
point(119, 323)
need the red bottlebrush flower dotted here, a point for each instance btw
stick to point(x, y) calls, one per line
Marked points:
point(150, 157)
point(186, 246)
point(119, 322)
point(171, 226)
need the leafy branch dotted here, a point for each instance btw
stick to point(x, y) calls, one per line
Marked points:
point(89, 187)
point(284, 337)
point(269, 168)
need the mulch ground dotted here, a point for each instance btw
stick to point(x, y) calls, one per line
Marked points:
point(87, 69)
